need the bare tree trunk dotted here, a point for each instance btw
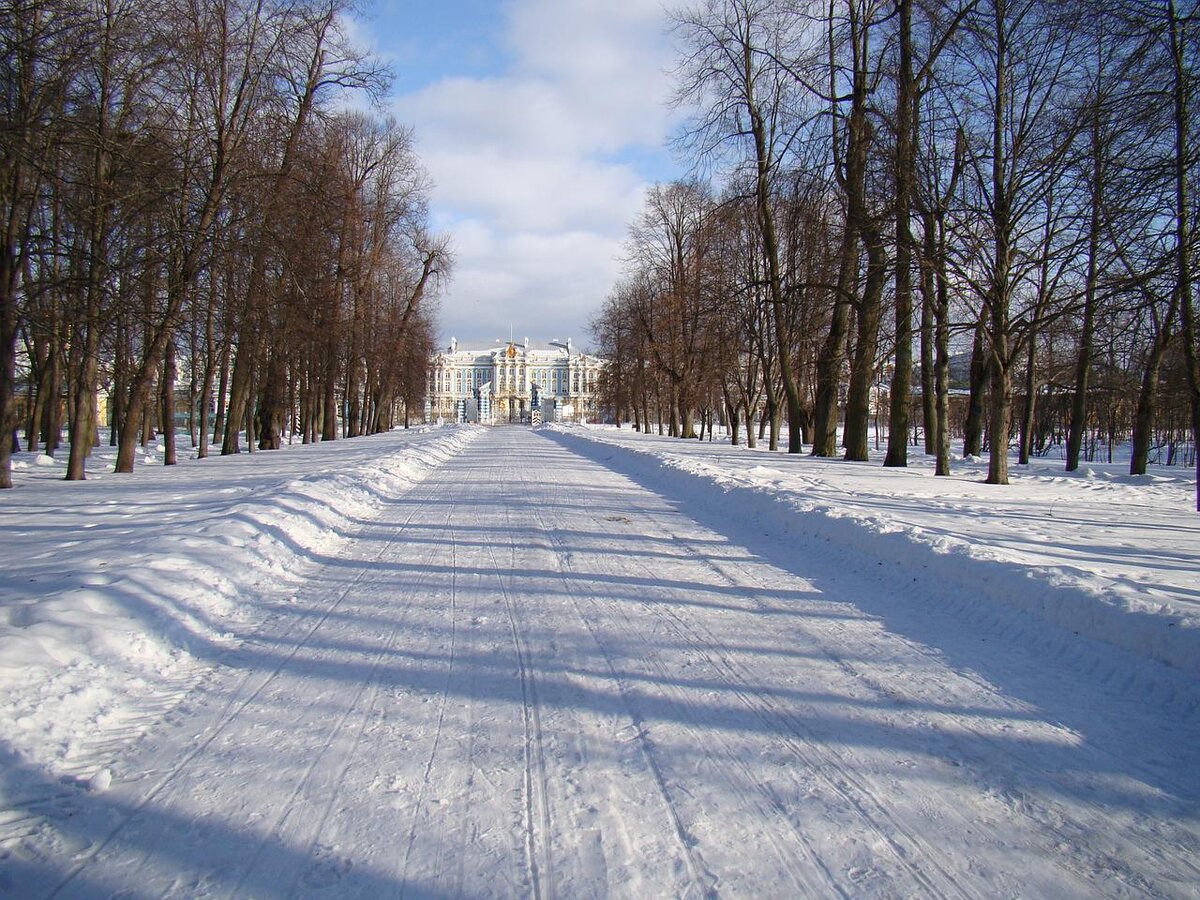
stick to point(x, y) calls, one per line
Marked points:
point(196, 360)
point(39, 387)
point(139, 397)
point(52, 414)
point(211, 364)
point(239, 388)
point(833, 353)
point(979, 379)
point(859, 137)
point(731, 417)
point(687, 428)
point(862, 369)
point(1000, 420)
point(1083, 362)
point(906, 154)
point(1000, 288)
point(776, 425)
point(138, 400)
point(218, 427)
point(8, 362)
point(1029, 407)
point(929, 409)
point(82, 421)
point(1183, 228)
point(271, 404)
point(1143, 419)
point(120, 386)
point(769, 416)
point(167, 402)
point(329, 424)
point(941, 315)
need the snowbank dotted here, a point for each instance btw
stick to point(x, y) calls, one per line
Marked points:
point(118, 593)
point(1098, 553)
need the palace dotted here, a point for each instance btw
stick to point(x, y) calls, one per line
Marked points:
point(513, 382)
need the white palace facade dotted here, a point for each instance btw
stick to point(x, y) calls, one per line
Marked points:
point(513, 382)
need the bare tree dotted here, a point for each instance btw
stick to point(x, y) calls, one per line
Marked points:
point(911, 77)
point(1182, 33)
point(313, 60)
point(42, 44)
point(735, 71)
point(669, 247)
point(1021, 53)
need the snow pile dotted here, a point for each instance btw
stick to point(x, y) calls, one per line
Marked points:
point(1101, 554)
point(118, 593)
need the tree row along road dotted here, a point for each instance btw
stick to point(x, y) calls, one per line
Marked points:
point(530, 676)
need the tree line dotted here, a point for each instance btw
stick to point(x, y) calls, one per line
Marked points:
point(199, 218)
point(884, 188)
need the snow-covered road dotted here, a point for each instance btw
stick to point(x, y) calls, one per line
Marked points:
point(532, 675)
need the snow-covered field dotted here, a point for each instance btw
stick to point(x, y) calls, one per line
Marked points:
point(587, 662)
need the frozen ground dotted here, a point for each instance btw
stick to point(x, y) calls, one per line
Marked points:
point(588, 663)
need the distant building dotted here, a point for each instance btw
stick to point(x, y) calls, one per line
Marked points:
point(508, 382)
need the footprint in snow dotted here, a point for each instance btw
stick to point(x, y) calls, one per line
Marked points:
point(327, 869)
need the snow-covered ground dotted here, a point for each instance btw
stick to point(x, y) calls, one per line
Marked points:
point(587, 662)
point(117, 593)
point(1099, 552)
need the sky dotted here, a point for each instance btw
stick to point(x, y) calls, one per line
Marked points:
point(542, 123)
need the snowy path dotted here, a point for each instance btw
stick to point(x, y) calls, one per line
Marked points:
point(531, 676)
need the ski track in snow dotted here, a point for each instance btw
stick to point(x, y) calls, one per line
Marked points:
point(547, 670)
point(537, 813)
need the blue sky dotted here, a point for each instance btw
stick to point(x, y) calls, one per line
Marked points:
point(428, 41)
point(542, 122)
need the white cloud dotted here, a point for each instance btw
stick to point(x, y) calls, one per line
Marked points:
point(544, 193)
point(535, 167)
point(542, 284)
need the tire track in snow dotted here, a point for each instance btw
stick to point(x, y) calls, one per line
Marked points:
point(818, 759)
point(701, 877)
point(771, 805)
point(439, 728)
point(871, 811)
point(542, 878)
point(704, 880)
point(371, 684)
point(251, 688)
point(374, 682)
point(1046, 816)
point(472, 685)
